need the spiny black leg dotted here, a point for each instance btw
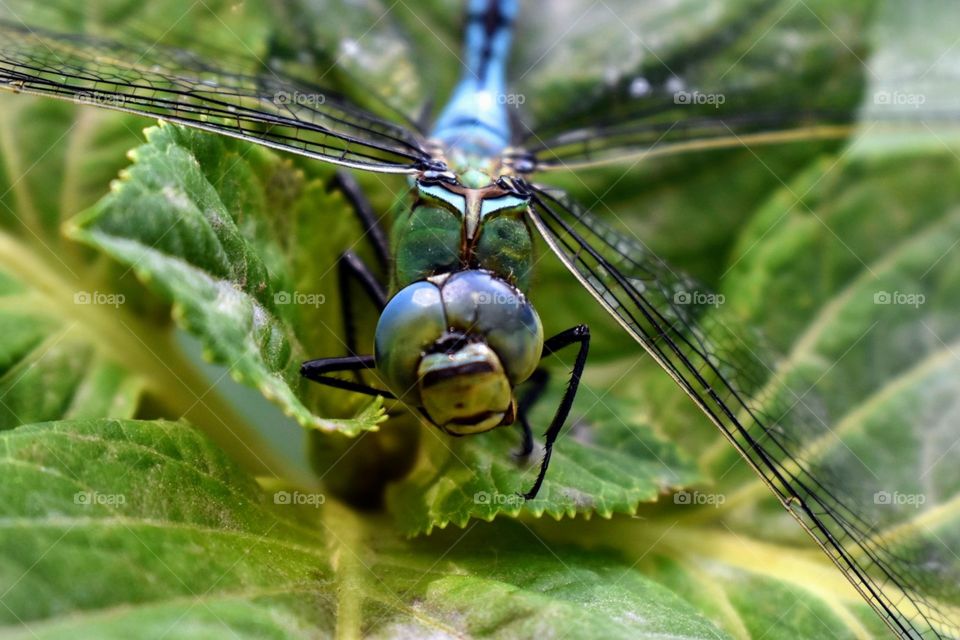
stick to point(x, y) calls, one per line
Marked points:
point(317, 370)
point(579, 334)
point(372, 230)
point(526, 445)
point(351, 266)
point(536, 385)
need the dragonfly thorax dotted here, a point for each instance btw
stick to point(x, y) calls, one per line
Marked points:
point(451, 227)
point(456, 345)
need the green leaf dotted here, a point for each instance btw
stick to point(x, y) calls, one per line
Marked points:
point(878, 352)
point(80, 338)
point(864, 313)
point(193, 217)
point(54, 360)
point(210, 553)
point(749, 588)
point(778, 46)
point(877, 219)
point(609, 461)
point(687, 209)
point(45, 348)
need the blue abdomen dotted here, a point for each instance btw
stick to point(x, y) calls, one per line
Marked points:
point(475, 121)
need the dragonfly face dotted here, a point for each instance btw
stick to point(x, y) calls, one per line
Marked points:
point(456, 345)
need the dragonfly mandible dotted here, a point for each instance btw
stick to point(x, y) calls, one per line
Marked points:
point(457, 334)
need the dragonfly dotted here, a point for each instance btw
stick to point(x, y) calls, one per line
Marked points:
point(457, 334)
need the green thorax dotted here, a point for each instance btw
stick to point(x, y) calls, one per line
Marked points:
point(455, 227)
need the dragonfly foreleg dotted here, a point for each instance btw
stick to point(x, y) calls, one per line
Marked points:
point(372, 229)
point(318, 370)
point(535, 387)
point(352, 267)
point(575, 335)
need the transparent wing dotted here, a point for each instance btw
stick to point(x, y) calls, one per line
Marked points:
point(748, 71)
point(175, 85)
point(665, 134)
point(771, 423)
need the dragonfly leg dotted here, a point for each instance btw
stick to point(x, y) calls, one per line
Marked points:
point(579, 334)
point(318, 370)
point(372, 230)
point(536, 385)
point(352, 267)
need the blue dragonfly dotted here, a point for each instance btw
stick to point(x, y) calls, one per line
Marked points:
point(457, 334)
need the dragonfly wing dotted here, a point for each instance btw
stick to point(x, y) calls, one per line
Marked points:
point(752, 71)
point(377, 46)
point(667, 135)
point(726, 375)
point(175, 85)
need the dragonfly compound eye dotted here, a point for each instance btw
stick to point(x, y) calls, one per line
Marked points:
point(409, 325)
point(478, 303)
point(456, 346)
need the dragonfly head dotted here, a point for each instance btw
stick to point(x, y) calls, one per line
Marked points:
point(456, 345)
